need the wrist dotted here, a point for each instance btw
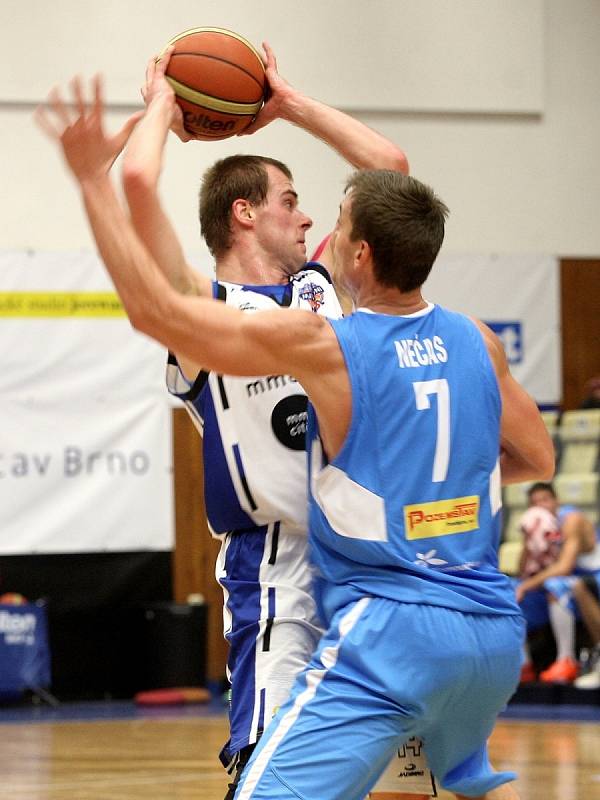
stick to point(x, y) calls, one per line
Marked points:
point(293, 106)
point(95, 183)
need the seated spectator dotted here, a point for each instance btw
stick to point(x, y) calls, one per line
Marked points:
point(586, 591)
point(560, 542)
point(592, 396)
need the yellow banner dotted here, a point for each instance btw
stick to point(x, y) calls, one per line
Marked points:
point(60, 304)
point(441, 518)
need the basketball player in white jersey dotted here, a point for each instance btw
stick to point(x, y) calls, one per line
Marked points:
point(202, 334)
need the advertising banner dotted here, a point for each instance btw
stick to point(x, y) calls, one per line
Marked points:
point(518, 296)
point(85, 418)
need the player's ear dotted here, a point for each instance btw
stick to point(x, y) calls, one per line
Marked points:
point(362, 253)
point(243, 211)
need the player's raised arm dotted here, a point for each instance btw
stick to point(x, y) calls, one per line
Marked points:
point(527, 452)
point(209, 332)
point(141, 171)
point(360, 145)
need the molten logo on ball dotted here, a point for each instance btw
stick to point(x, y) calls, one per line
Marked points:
point(199, 121)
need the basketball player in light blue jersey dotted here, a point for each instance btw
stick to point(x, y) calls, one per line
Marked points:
point(417, 422)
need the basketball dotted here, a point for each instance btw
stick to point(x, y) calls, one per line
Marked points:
point(219, 81)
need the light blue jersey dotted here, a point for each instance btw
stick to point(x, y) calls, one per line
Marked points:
point(410, 508)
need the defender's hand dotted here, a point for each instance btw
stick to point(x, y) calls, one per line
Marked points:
point(78, 128)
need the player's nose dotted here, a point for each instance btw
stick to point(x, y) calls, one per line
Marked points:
point(306, 222)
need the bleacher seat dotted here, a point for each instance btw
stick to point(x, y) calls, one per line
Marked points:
point(578, 489)
point(511, 531)
point(515, 495)
point(514, 501)
point(579, 436)
point(509, 556)
point(578, 457)
point(581, 424)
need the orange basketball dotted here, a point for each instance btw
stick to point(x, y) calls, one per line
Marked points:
point(219, 80)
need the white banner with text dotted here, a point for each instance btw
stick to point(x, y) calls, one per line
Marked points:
point(85, 418)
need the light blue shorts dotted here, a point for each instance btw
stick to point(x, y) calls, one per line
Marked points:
point(384, 672)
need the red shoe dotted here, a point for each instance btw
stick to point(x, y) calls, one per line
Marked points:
point(527, 673)
point(565, 670)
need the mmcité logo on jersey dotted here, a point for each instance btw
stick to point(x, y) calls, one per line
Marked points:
point(442, 517)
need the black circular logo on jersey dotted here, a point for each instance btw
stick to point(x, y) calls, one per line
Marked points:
point(288, 421)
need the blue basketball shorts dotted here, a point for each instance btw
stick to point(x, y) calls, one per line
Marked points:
point(270, 622)
point(384, 672)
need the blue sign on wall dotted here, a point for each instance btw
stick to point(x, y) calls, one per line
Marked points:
point(24, 651)
point(511, 336)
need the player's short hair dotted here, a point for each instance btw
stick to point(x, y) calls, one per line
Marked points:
point(540, 486)
point(403, 222)
point(231, 178)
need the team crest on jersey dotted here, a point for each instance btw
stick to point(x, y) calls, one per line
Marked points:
point(314, 295)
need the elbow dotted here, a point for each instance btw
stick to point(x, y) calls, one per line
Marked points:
point(402, 164)
point(542, 470)
point(548, 466)
point(398, 161)
point(149, 318)
point(138, 319)
point(135, 179)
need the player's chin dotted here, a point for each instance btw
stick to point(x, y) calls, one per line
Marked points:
point(297, 264)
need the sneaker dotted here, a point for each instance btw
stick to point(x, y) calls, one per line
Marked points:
point(590, 672)
point(527, 673)
point(589, 681)
point(565, 670)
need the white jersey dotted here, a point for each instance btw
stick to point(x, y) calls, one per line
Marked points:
point(254, 428)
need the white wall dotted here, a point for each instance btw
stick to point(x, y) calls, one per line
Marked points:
point(516, 180)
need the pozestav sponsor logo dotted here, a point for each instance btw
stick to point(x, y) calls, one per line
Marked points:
point(441, 517)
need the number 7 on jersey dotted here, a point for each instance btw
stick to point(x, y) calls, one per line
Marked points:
point(440, 388)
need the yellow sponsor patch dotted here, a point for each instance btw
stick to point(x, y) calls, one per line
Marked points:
point(60, 304)
point(441, 518)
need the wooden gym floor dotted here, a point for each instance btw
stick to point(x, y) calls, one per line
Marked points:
point(171, 755)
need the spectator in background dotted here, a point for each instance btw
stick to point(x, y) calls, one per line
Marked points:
point(592, 397)
point(560, 542)
point(586, 591)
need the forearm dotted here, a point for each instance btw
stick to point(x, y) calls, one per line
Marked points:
point(128, 263)
point(361, 146)
point(527, 451)
point(203, 330)
point(144, 152)
point(554, 571)
point(141, 171)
